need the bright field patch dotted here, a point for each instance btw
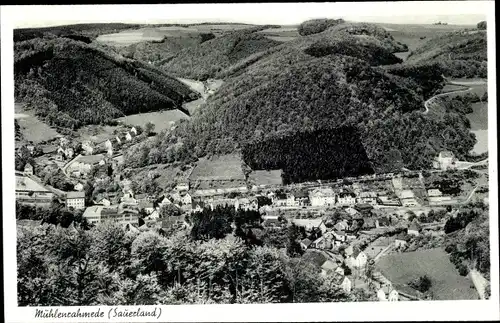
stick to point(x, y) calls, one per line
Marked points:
point(227, 167)
point(447, 284)
point(162, 119)
point(32, 129)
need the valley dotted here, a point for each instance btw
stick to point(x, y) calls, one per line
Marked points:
point(347, 158)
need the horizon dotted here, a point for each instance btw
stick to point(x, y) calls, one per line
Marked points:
point(408, 13)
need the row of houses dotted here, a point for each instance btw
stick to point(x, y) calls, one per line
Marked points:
point(108, 145)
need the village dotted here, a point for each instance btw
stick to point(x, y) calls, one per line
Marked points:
point(347, 225)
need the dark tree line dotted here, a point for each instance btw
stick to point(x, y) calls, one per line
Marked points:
point(306, 156)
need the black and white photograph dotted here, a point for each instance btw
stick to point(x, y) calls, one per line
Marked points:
point(292, 153)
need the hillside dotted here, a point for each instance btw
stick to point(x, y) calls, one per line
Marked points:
point(97, 86)
point(211, 57)
point(315, 26)
point(159, 52)
point(79, 31)
point(460, 53)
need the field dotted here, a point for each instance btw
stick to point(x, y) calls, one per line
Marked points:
point(97, 133)
point(227, 167)
point(283, 34)
point(162, 119)
point(417, 35)
point(265, 177)
point(32, 129)
point(157, 33)
point(453, 87)
point(447, 284)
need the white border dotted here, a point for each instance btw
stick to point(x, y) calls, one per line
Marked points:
point(436, 310)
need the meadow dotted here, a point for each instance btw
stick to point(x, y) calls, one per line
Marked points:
point(447, 284)
point(32, 128)
point(227, 167)
point(162, 120)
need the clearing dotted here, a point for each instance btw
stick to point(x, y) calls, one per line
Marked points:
point(447, 284)
point(32, 129)
point(162, 120)
point(220, 168)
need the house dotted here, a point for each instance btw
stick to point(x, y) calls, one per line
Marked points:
point(414, 228)
point(28, 170)
point(146, 206)
point(351, 211)
point(279, 198)
point(63, 142)
point(128, 136)
point(435, 192)
point(142, 197)
point(328, 267)
point(60, 156)
point(182, 186)
point(246, 204)
point(322, 197)
point(339, 235)
point(30, 148)
point(108, 146)
point(387, 293)
point(290, 200)
point(400, 241)
point(311, 224)
point(305, 243)
point(164, 200)
point(408, 198)
point(60, 150)
point(223, 202)
point(79, 187)
point(341, 225)
point(155, 215)
point(357, 259)
point(103, 201)
point(85, 164)
point(339, 271)
point(272, 224)
point(118, 140)
point(29, 191)
point(344, 283)
point(49, 149)
point(323, 242)
point(346, 199)
point(388, 200)
point(75, 200)
point(197, 206)
point(69, 153)
point(368, 197)
point(134, 131)
point(445, 160)
point(88, 147)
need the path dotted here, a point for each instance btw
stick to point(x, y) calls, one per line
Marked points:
point(380, 254)
point(479, 282)
point(462, 83)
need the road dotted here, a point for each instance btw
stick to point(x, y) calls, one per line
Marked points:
point(456, 82)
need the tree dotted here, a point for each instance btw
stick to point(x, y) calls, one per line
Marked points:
point(481, 25)
point(422, 284)
point(149, 128)
point(169, 210)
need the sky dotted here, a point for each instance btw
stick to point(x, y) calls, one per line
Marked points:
point(418, 12)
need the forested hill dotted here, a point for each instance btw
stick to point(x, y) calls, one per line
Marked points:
point(211, 57)
point(70, 83)
point(325, 80)
point(460, 53)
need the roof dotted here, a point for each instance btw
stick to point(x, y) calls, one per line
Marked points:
point(306, 242)
point(345, 194)
point(28, 166)
point(368, 194)
point(145, 205)
point(27, 184)
point(301, 194)
point(271, 221)
point(75, 195)
point(324, 191)
point(355, 252)
point(401, 236)
point(92, 211)
point(141, 196)
point(434, 192)
point(407, 194)
point(329, 265)
point(47, 149)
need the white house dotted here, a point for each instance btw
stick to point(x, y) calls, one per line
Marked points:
point(445, 160)
point(79, 187)
point(346, 199)
point(414, 228)
point(358, 258)
point(387, 293)
point(75, 200)
point(69, 152)
point(345, 283)
point(134, 131)
point(128, 136)
point(118, 140)
point(182, 186)
point(407, 198)
point(328, 267)
point(290, 200)
point(367, 198)
point(322, 197)
point(88, 147)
